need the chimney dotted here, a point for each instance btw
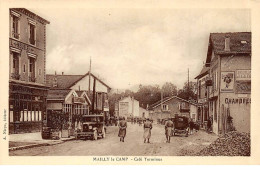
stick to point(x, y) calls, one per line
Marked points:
point(62, 73)
point(227, 43)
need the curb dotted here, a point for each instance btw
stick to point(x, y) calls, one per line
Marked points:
point(39, 145)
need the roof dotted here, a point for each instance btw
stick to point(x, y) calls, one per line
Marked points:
point(203, 72)
point(57, 94)
point(80, 93)
point(217, 43)
point(31, 14)
point(92, 76)
point(167, 99)
point(67, 81)
point(63, 81)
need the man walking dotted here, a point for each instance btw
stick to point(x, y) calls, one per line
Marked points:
point(122, 129)
point(168, 130)
point(147, 130)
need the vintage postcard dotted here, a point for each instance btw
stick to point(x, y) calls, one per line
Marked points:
point(103, 83)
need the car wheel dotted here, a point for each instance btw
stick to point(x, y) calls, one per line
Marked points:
point(104, 134)
point(95, 136)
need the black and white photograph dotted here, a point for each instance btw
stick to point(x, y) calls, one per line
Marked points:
point(150, 82)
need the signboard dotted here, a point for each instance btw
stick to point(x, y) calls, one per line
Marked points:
point(243, 81)
point(21, 46)
point(123, 108)
point(227, 81)
point(244, 75)
point(243, 87)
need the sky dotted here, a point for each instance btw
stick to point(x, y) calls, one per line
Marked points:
point(129, 47)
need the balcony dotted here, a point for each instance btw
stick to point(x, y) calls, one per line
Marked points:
point(32, 79)
point(209, 82)
point(15, 35)
point(15, 76)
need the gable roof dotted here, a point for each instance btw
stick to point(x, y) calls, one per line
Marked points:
point(168, 99)
point(92, 76)
point(63, 81)
point(81, 93)
point(217, 43)
point(204, 71)
point(67, 81)
point(57, 94)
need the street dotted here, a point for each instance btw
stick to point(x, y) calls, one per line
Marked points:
point(133, 145)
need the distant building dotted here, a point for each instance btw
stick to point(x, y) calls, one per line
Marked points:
point(229, 62)
point(128, 107)
point(27, 64)
point(171, 106)
point(202, 95)
point(144, 113)
point(81, 83)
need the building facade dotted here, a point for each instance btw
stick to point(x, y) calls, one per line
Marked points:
point(27, 63)
point(128, 107)
point(98, 90)
point(202, 96)
point(229, 60)
point(143, 113)
point(65, 109)
point(171, 106)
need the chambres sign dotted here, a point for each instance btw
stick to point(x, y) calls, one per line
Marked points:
point(21, 46)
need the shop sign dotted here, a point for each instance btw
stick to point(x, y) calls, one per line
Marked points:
point(21, 46)
point(243, 75)
point(237, 100)
point(243, 87)
point(227, 82)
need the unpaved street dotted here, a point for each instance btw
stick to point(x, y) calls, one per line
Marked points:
point(133, 145)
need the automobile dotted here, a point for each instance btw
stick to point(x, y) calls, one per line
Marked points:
point(181, 125)
point(93, 126)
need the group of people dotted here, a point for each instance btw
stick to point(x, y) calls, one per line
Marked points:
point(147, 129)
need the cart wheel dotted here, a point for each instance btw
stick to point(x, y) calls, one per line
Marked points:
point(95, 136)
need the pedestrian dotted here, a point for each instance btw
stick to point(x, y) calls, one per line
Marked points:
point(209, 124)
point(168, 130)
point(122, 129)
point(147, 130)
point(192, 125)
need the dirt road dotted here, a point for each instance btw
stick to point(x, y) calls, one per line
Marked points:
point(133, 145)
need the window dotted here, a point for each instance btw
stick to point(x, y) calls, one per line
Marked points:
point(23, 68)
point(165, 107)
point(15, 25)
point(32, 34)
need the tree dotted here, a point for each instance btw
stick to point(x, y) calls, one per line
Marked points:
point(169, 89)
point(189, 91)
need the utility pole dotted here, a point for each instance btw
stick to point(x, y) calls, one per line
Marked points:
point(89, 77)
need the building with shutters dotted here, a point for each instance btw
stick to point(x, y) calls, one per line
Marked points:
point(27, 64)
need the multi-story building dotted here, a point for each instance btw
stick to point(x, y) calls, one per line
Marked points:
point(229, 62)
point(27, 89)
point(202, 96)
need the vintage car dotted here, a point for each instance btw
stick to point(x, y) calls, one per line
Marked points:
point(93, 126)
point(181, 125)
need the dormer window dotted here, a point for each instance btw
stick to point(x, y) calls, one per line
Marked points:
point(55, 84)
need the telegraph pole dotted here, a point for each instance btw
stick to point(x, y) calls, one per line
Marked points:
point(89, 77)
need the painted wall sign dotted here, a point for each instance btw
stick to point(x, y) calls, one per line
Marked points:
point(243, 87)
point(21, 46)
point(227, 82)
point(243, 75)
point(238, 100)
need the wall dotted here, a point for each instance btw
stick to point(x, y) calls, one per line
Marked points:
point(141, 111)
point(241, 105)
point(193, 111)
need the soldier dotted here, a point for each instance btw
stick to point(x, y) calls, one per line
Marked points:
point(168, 130)
point(147, 130)
point(122, 129)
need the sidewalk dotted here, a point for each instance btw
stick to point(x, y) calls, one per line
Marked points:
point(29, 140)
